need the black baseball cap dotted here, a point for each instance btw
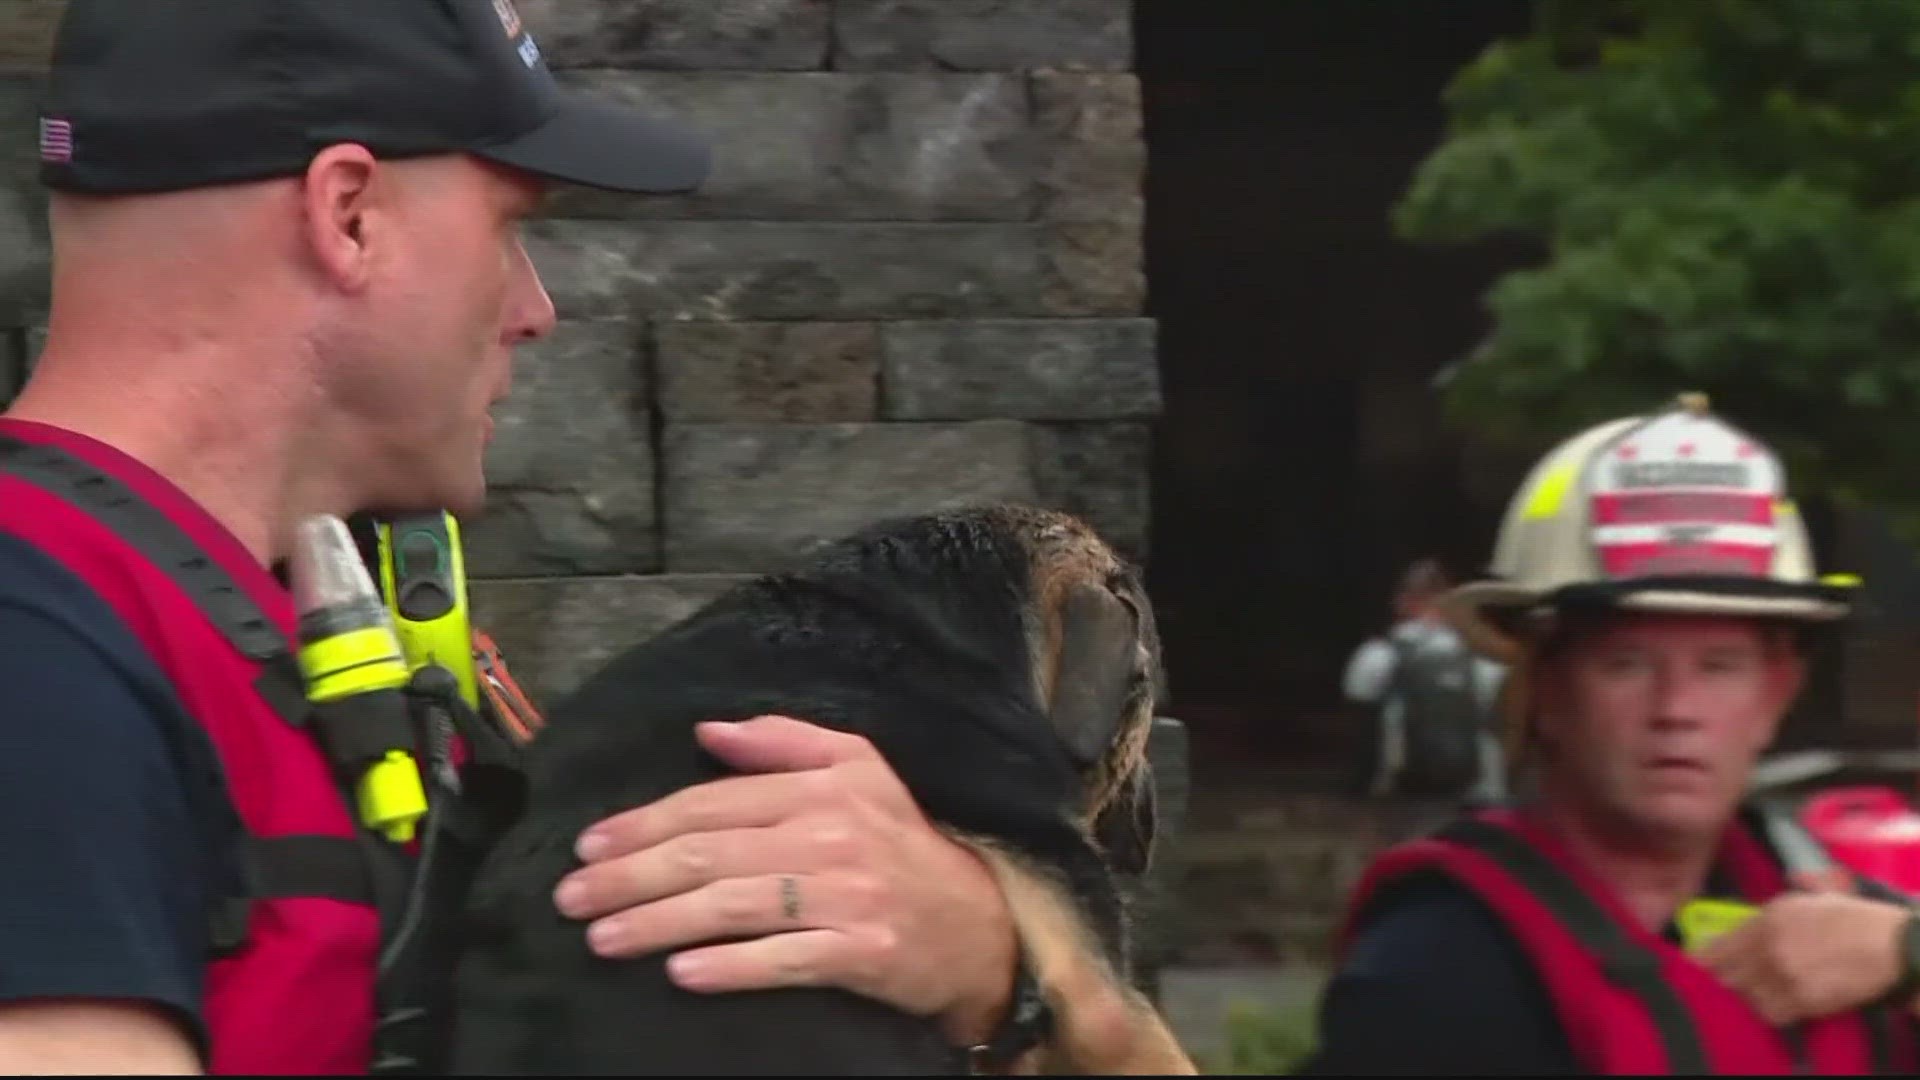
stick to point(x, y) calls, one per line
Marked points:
point(159, 95)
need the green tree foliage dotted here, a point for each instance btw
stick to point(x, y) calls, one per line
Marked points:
point(1264, 1041)
point(1728, 194)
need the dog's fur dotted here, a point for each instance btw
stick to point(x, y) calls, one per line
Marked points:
point(1002, 659)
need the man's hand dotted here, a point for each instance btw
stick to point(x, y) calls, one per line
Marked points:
point(822, 859)
point(1810, 955)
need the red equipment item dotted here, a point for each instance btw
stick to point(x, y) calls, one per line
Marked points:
point(1871, 830)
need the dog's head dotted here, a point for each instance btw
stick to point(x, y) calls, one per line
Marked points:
point(1087, 639)
point(994, 599)
point(1096, 663)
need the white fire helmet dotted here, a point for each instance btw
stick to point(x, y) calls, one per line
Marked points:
point(1676, 512)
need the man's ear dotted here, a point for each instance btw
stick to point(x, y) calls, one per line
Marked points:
point(1094, 671)
point(1546, 691)
point(1786, 677)
point(336, 194)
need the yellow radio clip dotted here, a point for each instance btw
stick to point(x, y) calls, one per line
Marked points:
point(423, 576)
point(1704, 919)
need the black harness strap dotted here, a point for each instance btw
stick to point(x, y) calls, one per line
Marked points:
point(144, 526)
point(1880, 1041)
point(1627, 964)
point(293, 867)
point(1883, 1021)
point(351, 741)
point(338, 868)
point(155, 536)
point(364, 868)
point(333, 867)
point(281, 685)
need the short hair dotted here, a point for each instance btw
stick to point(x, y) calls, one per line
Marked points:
point(1425, 579)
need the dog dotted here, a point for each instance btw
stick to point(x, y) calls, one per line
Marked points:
point(1002, 659)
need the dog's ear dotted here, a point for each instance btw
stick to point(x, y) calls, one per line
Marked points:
point(1098, 663)
point(1126, 826)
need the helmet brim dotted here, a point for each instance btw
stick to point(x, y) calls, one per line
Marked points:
point(1491, 615)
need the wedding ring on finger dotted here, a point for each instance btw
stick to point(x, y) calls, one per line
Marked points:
point(790, 898)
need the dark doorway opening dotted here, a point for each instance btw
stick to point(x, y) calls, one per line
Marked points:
point(1301, 460)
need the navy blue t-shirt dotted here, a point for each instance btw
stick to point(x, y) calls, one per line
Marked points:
point(104, 847)
point(1438, 987)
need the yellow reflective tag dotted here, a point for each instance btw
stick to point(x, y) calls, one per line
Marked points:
point(1550, 494)
point(392, 797)
point(1700, 921)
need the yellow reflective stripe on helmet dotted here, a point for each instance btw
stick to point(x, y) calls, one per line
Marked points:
point(1549, 495)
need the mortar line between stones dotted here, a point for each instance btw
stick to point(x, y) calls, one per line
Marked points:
point(1037, 205)
point(692, 576)
point(950, 222)
point(656, 435)
point(882, 344)
point(830, 58)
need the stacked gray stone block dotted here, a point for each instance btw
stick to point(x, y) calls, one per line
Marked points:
point(914, 281)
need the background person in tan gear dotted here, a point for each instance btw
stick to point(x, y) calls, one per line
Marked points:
point(1430, 699)
point(1649, 588)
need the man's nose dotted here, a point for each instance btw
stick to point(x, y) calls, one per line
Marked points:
point(533, 312)
point(1679, 698)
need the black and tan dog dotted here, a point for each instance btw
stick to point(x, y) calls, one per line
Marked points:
point(1001, 659)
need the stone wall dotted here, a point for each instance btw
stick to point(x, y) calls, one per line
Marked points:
point(914, 280)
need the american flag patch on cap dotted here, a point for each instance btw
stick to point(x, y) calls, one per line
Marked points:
point(56, 141)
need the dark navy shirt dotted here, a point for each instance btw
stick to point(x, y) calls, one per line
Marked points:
point(1437, 986)
point(102, 894)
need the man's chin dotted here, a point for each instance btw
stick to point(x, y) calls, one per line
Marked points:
point(1683, 822)
point(467, 503)
point(463, 499)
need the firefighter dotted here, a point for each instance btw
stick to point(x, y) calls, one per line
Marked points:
point(288, 280)
point(1652, 590)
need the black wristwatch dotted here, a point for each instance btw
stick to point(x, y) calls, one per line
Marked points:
point(1028, 1023)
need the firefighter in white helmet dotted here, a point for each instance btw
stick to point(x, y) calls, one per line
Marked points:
point(1650, 588)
